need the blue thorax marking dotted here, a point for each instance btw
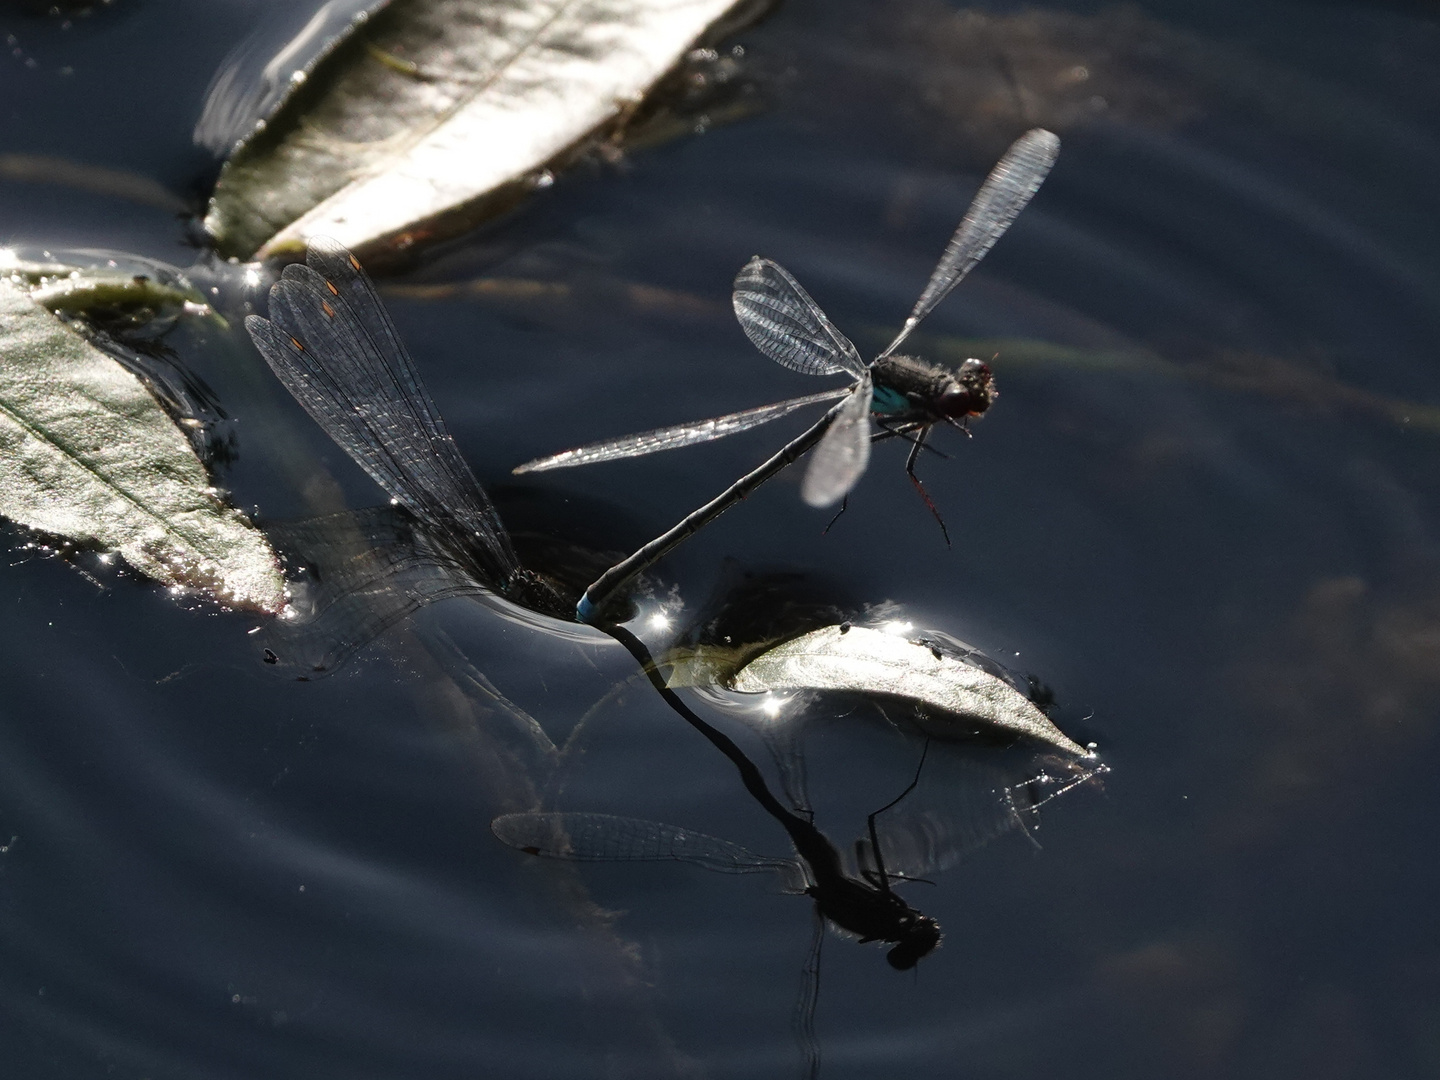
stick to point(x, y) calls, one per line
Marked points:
point(887, 400)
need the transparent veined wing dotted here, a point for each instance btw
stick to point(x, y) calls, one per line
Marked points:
point(1010, 185)
point(331, 342)
point(844, 451)
point(782, 321)
point(607, 838)
point(672, 438)
point(354, 574)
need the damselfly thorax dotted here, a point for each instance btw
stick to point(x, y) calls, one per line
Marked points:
point(910, 390)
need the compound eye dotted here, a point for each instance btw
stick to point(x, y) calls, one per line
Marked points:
point(958, 402)
point(973, 367)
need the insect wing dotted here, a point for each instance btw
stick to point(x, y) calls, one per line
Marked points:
point(331, 342)
point(782, 321)
point(844, 451)
point(353, 575)
point(672, 438)
point(607, 838)
point(1010, 185)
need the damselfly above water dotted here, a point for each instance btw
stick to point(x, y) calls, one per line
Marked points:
point(331, 342)
point(906, 395)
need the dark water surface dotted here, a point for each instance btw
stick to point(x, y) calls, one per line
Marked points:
point(1205, 512)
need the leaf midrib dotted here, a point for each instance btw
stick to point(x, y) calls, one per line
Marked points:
point(46, 437)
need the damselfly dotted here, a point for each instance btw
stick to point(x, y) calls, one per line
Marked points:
point(907, 395)
point(331, 342)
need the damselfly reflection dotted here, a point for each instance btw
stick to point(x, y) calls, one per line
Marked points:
point(906, 395)
point(863, 904)
point(855, 891)
point(979, 792)
point(331, 342)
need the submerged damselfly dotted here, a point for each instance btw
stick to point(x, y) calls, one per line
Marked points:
point(331, 342)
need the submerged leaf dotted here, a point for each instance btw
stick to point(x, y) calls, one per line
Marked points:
point(861, 660)
point(436, 114)
point(88, 453)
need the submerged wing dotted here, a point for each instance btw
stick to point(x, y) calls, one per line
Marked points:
point(782, 321)
point(844, 451)
point(606, 838)
point(353, 575)
point(1010, 185)
point(672, 438)
point(330, 341)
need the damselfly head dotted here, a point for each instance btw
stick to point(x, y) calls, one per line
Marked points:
point(919, 937)
point(971, 393)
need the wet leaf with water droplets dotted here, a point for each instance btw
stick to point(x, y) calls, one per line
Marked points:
point(88, 453)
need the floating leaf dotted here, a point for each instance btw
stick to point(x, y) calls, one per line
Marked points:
point(82, 282)
point(435, 114)
point(88, 453)
point(862, 660)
